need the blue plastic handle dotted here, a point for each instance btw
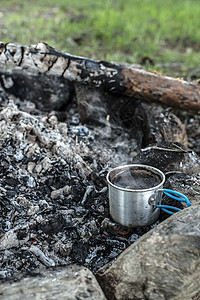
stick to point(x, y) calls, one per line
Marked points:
point(173, 194)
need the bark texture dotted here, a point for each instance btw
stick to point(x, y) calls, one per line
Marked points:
point(111, 77)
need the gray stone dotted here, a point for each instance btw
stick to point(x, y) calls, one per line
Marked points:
point(71, 283)
point(163, 264)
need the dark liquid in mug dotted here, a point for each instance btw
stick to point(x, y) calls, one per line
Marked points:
point(136, 180)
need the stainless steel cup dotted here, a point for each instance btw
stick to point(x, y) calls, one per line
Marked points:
point(134, 207)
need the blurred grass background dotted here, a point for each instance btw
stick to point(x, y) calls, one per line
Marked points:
point(163, 35)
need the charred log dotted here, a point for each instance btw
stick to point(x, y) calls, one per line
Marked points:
point(46, 92)
point(111, 77)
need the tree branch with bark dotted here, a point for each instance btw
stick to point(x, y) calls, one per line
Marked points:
point(113, 78)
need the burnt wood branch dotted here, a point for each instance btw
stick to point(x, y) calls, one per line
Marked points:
point(113, 78)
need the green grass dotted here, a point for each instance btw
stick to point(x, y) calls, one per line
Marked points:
point(167, 31)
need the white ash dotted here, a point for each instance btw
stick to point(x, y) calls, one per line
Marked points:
point(53, 194)
point(33, 135)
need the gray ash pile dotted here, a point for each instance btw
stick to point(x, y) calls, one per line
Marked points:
point(53, 194)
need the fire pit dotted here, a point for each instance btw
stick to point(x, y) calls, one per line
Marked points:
point(54, 198)
point(53, 190)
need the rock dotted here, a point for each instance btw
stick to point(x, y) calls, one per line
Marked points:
point(71, 283)
point(163, 264)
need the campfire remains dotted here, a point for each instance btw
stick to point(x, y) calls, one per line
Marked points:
point(65, 121)
point(113, 78)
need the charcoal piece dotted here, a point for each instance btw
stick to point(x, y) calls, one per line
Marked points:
point(99, 263)
point(21, 234)
point(81, 211)
point(100, 182)
point(11, 181)
point(77, 191)
point(133, 238)
point(161, 126)
point(87, 193)
point(11, 193)
point(72, 234)
point(115, 252)
point(65, 249)
point(56, 224)
point(43, 258)
point(79, 252)
point(88, 158)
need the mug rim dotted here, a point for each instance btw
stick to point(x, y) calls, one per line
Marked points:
point(159, 172)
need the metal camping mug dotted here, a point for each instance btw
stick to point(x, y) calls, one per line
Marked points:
point(133, 207)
